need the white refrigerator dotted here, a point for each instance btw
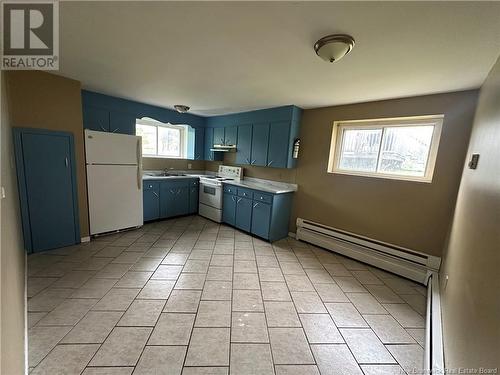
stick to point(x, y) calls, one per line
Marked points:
point(114, 181)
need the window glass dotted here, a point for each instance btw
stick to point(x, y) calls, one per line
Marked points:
point(148, 134)
point(169, 141)
point(360, 149)
point(405, 150)
point(162, 140)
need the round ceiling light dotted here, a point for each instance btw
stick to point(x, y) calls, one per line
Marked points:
point(181, 108)
point(332, 48)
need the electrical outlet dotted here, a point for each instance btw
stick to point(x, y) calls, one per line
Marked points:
point(190, 165)
point(446, 277)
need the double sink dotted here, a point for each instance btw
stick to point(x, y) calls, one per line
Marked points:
point(163, 174)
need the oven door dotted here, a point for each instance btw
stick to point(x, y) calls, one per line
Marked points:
point(211, 195)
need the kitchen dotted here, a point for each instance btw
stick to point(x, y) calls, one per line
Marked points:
point(243, 213)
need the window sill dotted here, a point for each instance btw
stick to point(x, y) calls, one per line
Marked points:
point(383, 176)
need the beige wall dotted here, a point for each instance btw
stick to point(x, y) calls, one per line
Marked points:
point(12, 257)
point(164, 163)
point(42, 100)
point(410, 214)
point(470, 298)
point(275, 174)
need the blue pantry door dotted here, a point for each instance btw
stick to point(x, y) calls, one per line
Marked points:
point(47, 191)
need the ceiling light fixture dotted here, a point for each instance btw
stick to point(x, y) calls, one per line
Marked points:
point(181, 108)
point(333, 47)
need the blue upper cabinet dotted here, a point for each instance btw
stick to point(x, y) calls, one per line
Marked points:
point(219, 136)
point(199, 143)
point(278, 144)
point(230, 135)
point(95, 118)
point(121, 122)
point(108, 113)
point(263, 138)
point(244, 144)
point(260, 144)
point(209, 144)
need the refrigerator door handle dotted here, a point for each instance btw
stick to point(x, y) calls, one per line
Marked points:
point(139, 164)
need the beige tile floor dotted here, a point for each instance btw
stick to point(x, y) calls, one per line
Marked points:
point(188, 296)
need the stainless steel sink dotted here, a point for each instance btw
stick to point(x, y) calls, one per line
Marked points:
point(164, 174)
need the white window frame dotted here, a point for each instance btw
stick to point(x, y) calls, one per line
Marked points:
point(337, 138)
point(157, 124)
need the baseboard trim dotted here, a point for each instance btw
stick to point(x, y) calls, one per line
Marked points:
point(434, 350)
point(85, 239)
point(292, 234)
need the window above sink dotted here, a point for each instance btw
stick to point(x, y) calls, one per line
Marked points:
point(162, 140)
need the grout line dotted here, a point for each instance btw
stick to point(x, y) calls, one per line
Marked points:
point(187, 234)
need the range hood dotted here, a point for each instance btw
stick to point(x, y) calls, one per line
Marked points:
point(223, 148)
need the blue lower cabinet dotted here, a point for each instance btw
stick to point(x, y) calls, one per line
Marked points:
point(263, 214)
point(243, 219)
point(163, 199)
point(193, 196)
point(167, 200)
point(151, 200)
point(229, 209)
point(174, 200)
point(261, 219)
point(181, 206)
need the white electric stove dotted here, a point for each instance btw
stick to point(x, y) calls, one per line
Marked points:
point(210, 205)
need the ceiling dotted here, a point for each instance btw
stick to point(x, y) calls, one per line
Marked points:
point(230, 57)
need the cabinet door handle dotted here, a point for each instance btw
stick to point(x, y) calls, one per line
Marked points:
point(102, 127)
point(239, 199)
point(234, 198)
point(156, 194)
point(172, 192)
point(114, 131)
point(255, 205)
point(248, 160)
point(253, 161)
point(66, 162)
point(269, 163)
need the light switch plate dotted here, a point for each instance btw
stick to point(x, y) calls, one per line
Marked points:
point(474, 160)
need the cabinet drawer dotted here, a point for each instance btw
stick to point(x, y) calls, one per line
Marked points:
point(230, 189)
point(246, 193)
point(194, 183)
point(262, 197)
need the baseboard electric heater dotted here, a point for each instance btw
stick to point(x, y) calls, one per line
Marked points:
point(399, 260)
point(411, 264)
